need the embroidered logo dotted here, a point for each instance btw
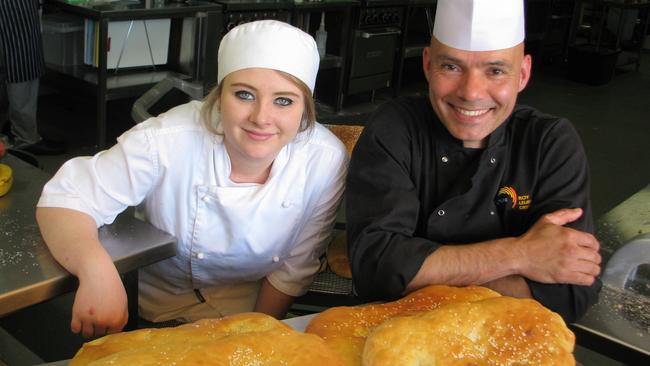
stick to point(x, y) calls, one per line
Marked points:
point(509, 195)
point(507, 192)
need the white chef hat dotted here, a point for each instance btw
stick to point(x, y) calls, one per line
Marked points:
point(269, 44)
point(479, 25)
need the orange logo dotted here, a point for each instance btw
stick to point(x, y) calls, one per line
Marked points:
point(521, 202)
point(510, 192)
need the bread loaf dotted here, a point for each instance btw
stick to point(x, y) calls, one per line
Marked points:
point(337, 256)
point(499, 331)
point(345, 328)
point(348, 134)
point(243, 339)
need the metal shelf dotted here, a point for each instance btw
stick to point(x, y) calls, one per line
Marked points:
point(330, 62)
point(414, 50)
point(123, 84)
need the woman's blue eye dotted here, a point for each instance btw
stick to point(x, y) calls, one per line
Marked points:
point(283, 101)
point(243, 94)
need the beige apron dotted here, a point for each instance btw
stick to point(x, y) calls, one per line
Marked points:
point(187, 307)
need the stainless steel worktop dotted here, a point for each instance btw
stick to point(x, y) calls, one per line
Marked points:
point(619, 324)
point(28, 272)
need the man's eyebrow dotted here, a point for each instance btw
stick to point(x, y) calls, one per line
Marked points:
point(448, 58)
point(499, 63)
point(496, 63)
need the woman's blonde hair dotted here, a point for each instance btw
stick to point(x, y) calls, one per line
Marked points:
point(212, 101)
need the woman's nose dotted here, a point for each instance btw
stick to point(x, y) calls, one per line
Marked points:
point(260, 113)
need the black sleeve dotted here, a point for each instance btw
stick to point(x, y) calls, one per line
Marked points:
point(382, 207)
point(563, 182)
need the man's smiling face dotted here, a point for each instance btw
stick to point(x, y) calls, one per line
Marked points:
point(474, 92)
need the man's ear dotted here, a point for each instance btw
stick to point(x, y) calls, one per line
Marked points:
point(526, 65)
point(426, 61)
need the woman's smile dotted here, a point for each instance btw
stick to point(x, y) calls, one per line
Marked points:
point(258, 136)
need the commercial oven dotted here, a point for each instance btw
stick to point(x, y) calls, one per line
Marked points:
point(237, 12)
point(376, 39)
point(233, 13)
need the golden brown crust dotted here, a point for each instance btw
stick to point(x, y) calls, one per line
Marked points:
point(495, 331)
point(242, 339)
point(347, 134)
point(337, 256)
point(346, 328)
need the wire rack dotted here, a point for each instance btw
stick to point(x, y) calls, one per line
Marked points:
point(328, 282)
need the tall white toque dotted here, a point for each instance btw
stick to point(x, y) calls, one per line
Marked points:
point(269, 44)
point(480, 25)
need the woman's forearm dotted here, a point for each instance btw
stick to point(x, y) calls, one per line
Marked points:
point(72, 239)
point(273, 302)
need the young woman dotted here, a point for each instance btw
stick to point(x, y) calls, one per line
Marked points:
point(246, 180)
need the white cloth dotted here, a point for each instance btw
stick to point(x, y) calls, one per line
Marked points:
point(269, 44)
point(479, 25)
point(228, 233)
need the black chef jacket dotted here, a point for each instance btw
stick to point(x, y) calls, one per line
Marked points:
point(412, 187)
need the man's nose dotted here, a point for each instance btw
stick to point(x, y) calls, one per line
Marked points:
point(472, 86)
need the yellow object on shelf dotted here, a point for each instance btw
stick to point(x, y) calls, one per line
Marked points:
point(6, 179)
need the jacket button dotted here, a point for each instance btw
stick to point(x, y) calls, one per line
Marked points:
point(441, 212)
point(493, 160)
point(444, 159)
point(492, 213)
point(200, 255)
point(286, 204)
point(205, 199)
point(276, 259)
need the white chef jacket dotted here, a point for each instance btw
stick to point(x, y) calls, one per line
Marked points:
point(177, 173)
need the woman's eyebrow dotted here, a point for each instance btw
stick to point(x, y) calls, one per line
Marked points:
point(248, 86)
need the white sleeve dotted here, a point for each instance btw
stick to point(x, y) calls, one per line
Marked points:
point(103, 185)
point(298, 270)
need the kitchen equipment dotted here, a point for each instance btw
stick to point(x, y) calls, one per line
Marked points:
point(623, 265)
point(242, 11)
point(377, 38)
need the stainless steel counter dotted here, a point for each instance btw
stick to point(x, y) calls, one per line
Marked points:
point(28, 272)
point(618, 326)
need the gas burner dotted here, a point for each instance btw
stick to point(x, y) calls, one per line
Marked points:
point(252, 5)
point(373, 3)
point(380, 17)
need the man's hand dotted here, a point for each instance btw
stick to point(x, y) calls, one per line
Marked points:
point(552, 253)
point(100, 305)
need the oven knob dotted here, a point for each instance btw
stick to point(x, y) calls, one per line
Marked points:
point(366, 19)
point(230, 25)
point(374, 19)
point(385, 18)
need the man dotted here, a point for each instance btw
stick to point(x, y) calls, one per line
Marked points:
point(21, 66)
point(467, 188)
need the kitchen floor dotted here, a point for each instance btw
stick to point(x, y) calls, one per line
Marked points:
point(612, 120)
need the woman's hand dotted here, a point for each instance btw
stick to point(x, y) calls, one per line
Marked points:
point(100, 305)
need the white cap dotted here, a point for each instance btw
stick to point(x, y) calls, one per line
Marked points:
point(269, 44)
point(479, 25)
